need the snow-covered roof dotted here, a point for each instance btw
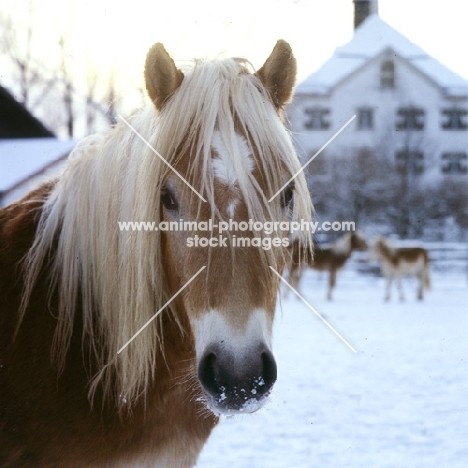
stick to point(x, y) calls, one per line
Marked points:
point(23, 158)
point(370, 39)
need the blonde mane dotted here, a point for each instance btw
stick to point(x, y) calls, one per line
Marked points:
point(118, 278)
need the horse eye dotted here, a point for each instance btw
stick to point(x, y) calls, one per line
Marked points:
point(287, 196)
point(168, 200)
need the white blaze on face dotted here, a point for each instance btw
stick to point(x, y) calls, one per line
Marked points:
point(213, 328)
point(231, 208)
point(224, 167)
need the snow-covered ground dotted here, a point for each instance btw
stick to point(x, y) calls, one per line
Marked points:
point(401, 401)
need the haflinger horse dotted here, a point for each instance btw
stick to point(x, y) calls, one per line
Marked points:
point(75, 289)
point(396, 262)
point(330, 259)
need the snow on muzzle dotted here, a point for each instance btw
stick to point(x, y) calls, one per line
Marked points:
point(236, 370)
point(237, 385)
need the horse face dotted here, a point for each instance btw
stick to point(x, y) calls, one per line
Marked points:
point(231, 303)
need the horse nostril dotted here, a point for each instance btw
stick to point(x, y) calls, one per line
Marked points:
point(269, 373)
point(235, 383)
point(207, 373)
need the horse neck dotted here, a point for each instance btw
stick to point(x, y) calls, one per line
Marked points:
point(386, 251)
point(343, 246)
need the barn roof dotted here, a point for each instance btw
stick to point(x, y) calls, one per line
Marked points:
point(16, 121)
point(21, 159)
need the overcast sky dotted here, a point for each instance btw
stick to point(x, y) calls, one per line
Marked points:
point(114, 33)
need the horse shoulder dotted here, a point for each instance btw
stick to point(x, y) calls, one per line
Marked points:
point(322, 259)
point(45, 414)
point(18, 223)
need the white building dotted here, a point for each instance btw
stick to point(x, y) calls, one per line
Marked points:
point(408, 106)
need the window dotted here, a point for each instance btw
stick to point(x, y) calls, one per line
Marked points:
point(365, 119)
point(410, 118)
point(410, 162)
point(387, 74)
point(454, 163)
point(454, 119)
point(317, 118)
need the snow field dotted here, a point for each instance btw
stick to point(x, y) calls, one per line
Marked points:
point(401, 401)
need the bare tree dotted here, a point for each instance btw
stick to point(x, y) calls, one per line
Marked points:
point(68, 90)
point(52, 94)
point(24, 68)
point(350, 186)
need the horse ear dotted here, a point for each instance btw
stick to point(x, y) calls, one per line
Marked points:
point(162, 77)
point(278, 74)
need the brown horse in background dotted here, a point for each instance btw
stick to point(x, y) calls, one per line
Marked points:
point(396, 262)
point(75, 389)
point(330, 259)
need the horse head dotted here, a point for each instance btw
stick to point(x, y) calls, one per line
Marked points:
point(235, 155)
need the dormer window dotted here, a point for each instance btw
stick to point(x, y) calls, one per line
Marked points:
point(387, 74)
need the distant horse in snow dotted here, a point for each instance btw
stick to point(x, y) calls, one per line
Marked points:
point(330, 259)
point(74, 290)
point(396, 262)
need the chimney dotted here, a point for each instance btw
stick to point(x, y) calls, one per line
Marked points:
point(362, 9)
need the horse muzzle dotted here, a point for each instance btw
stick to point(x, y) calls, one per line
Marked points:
point(236, 383)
